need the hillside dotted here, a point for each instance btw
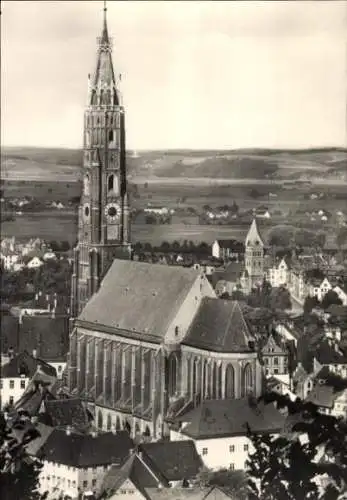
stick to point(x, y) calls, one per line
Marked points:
point(20, 163)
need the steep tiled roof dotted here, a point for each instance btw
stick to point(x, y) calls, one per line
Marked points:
point(85, 450)
point(49, 336)
point(219, 325)
point(327, 355)
point(64, 412)
point(228, 417)
point(24, 363)
point(136, 471)
point(33, 398)
point(173, 460)
point(139, 297)
point(271, 347)
point(323, 395)
point(232, 272)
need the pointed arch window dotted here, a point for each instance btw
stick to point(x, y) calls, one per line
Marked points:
point(247, 385)
point(219, 382)
point(229, 382)
point(109, 422)
point(100, 420)
point(110, 182)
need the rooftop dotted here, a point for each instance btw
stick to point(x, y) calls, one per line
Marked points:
point(229, 417)
point(26, 365)
point(219, 326)
point(139, 298)
point(86, 450)
point(173, 460)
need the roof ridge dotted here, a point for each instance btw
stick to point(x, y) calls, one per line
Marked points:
point(229, 322)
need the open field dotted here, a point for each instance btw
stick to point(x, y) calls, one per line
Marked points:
point(61, 227)
point(177, 179)
point(64, 164)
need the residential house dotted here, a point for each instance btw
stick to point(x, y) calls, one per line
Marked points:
point(329, 400)
point(297, 284)
point(281, 384)
point(45, 336)
point(49, 255)
point(302, 382)
point(226, 249)
point(329, 355)
point(275, 358)
point(153, 465)
point(341, 293)
point(219, 431)
point(18, 372)
point(8, 259)
point(318, 288)
point(76, 463)
point(157, 210)
point(228, 279)
point(279, 274)
point(35, 263)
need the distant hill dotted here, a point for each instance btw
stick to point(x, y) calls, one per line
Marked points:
point(29, 163)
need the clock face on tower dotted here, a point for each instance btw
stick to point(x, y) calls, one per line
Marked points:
point(112, 212)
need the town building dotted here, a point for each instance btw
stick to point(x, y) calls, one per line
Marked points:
point(76, 463)
point(170, 464)
point(219, 430)
point(275, 358)
point(279, 274)
point(17, 373)
point(225, 249)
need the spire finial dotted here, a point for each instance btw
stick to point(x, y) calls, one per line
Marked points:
point(104, 36)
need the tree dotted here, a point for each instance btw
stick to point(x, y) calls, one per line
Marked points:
point(280, 299)
point(310, 303)
point(234, 482)
point(281, 236)
point(287, 467)
point(19, 473)
point(341, 237)
point(330, 298)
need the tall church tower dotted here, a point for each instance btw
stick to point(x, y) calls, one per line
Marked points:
point(254, 257)
point(103, 216)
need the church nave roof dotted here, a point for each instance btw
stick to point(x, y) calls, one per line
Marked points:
point(219, 326)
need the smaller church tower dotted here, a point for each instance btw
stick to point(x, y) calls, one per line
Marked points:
point(254, 258)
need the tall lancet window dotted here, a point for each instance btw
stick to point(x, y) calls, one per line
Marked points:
point(86, 182)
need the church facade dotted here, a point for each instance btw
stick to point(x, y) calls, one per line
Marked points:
point(147, 341)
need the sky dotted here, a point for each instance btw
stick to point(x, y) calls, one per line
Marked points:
point(197, 75)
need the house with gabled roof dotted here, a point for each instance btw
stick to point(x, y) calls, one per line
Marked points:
point(226, 249)
point(170, 464)
point(76, 463)
point(19, 372)
point(275, 357)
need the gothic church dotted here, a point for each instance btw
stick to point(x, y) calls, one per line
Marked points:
point(147, 341)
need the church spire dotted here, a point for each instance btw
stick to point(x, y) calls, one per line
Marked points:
point(104, 40)
point(102, 87)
